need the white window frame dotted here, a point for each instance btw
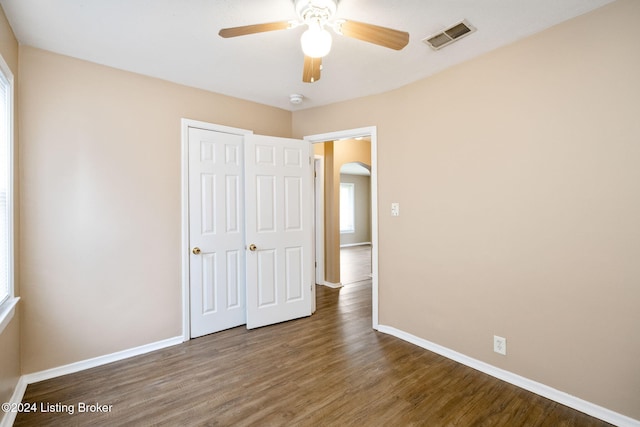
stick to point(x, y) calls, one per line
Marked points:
point(9, 301)
point(351, 227)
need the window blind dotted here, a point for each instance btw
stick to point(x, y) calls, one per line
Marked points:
point(5, 205)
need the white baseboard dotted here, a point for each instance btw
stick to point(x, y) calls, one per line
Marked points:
point(18, 392)
point(332, 285)
point(517, 380)
point(25, 380)
point(100, 360)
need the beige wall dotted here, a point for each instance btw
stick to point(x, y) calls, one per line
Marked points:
point(10, 337)
point(519, 180)
point(100, 162)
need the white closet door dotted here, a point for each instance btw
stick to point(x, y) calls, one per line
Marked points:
point(279, 229)
point(216, 226)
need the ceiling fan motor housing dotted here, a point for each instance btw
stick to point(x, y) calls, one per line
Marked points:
point(316, 10)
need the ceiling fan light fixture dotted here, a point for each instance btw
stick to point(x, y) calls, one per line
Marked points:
point(316, 41)
point(318, 15)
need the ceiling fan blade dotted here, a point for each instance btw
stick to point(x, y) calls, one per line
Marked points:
point(382, 36)
point(253, 29)
point(311, 70)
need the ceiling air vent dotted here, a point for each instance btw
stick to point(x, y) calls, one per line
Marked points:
point(448, 36)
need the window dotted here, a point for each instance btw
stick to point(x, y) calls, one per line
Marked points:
point(7, 302)
point(347, 207)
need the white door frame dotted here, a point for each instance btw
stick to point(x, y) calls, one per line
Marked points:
point(350, 134)
point(318, 166)
point(185, 249)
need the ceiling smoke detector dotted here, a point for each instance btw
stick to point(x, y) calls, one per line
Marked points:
point(296, 98)
point(450, 35)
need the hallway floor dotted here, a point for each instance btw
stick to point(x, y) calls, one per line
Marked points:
point(355, 264)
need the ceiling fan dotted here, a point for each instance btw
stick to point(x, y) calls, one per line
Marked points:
point(317, 15)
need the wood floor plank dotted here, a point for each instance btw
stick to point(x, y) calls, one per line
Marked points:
point(330, 369)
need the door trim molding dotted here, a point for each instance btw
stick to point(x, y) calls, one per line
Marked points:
point(185, 124)
point(354, 133)
point(318, 206)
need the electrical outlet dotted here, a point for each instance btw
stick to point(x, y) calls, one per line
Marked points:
point(500, 345)
point(395, 209)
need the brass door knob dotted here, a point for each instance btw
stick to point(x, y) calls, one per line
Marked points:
point(196, 251)
point(252, 247)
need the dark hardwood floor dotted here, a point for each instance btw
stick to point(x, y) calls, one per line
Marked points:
point(330, 369)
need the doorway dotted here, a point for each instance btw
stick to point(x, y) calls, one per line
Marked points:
point(355, 222)
point(371, 133)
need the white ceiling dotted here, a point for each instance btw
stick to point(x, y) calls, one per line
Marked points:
point(178, 40)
